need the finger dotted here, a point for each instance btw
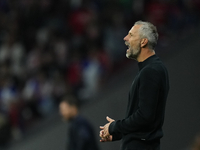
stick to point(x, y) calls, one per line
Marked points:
point(105, 134)
point(109, 119)
point(101, 127)
point(104, 139)
point(101, 133)
point(101, 140)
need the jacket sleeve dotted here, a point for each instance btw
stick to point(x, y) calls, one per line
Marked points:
point(149, 85)
point(116, 136)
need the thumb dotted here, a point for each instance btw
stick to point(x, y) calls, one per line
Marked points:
point(101, 127)
point(109, 119)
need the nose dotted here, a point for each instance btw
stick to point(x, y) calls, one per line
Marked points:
point(125, 38)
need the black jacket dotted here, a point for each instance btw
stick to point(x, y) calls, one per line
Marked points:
point(146, 105)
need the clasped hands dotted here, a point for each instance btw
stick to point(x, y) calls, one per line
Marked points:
point(104, 132)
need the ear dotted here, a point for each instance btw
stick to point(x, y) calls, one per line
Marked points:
point(144, 42)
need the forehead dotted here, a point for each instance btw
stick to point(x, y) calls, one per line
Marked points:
point(64, 104)
point(135, 29)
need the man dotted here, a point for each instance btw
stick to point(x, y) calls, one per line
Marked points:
point(141, 129)
point(81, 134)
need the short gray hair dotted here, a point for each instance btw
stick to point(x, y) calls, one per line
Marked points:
point(149, 31)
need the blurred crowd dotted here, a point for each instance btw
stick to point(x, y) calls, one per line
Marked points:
point(52, 47)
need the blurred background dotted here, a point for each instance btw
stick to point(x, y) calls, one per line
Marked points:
point(52, 47)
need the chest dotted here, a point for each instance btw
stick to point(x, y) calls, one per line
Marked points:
point(133, 96)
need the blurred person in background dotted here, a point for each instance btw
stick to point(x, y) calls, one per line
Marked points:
point(10, 105)
point(91, 71)
point(80, 134)
point(142, 127)
point(5, 130)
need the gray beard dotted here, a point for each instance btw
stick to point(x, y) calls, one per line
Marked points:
point(135, 55)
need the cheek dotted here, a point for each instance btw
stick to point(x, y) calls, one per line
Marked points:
point(132, 42)
point(64, 111)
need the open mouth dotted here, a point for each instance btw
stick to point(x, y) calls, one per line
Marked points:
point(127, 44)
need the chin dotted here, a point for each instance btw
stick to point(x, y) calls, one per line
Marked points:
point(131, 56)
point(127, 56)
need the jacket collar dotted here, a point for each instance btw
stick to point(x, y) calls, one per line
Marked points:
point(147, 61)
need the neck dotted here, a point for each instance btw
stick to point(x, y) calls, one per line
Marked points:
point(145, 53)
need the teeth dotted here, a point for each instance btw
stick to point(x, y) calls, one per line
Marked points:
point(127, 44)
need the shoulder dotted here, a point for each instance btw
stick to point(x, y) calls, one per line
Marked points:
point(82, 122)
point(80, 119)
point(150, 69)
point(153, 72)
point(156, 67)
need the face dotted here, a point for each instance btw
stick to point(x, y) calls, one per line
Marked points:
point(65, 110)
point(132, 40)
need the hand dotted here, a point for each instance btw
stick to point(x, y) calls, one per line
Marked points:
point(107, 139)
point(104, 133)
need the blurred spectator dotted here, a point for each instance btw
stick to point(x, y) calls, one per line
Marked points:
point(113, 37)
point(90, 75)
point(10, 105)
point(13, 51)
point(79, 18)
point(33, 60)
point(61, 51)
point(80, 133)
point(176, 18)
point(5, 130)
point(60, 88)
point(157, 13)
point(74, 73)
point(38, 91)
